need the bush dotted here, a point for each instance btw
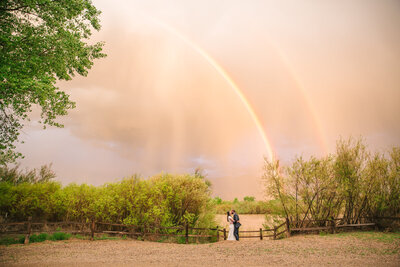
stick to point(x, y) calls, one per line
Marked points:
point(353, 183)
point(247, 206)
point(12, 240)
point(39, 238)
point(60, 236)
point(162, 200)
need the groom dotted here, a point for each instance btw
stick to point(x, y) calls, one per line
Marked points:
point(237, 224)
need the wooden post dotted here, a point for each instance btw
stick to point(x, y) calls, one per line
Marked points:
point(92, 229)
point(275, 232)
point(217, 234)
point(333, 226)
point(261, 237)
point(28, 230)
point(224, 233)
point(187, 233)
point(287, 228)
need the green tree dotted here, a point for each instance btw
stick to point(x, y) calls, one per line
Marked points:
point(249, 198)
point(41, 41)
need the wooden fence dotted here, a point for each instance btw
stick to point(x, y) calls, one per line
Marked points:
point(274, 233)
point(333, 225)
point(28, 228)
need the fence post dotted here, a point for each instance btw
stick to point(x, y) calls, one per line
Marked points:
point(261, 237)
point(187, 233)
point(287, 228)
point(217, 234)
point(333, 225)
point(275, 232)
point(92, 229)
point(224, 233)
point(28, 230)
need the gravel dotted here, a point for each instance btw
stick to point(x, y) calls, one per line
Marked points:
point(298, 250)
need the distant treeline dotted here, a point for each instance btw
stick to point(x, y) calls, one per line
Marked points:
point(351, 184)
point(163, 200)
point(249, 205)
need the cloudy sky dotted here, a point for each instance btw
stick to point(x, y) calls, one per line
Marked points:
point(311, 71)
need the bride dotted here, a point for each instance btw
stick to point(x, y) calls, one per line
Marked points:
point(229, 218)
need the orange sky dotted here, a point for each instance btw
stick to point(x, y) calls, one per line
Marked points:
point(312, 70)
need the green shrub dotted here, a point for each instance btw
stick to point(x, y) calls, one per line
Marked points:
point(39, 238)
point(162, 200)
point(351, 184)
point(60, 236)
point(12, 240)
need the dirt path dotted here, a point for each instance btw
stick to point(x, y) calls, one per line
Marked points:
point(300, 250)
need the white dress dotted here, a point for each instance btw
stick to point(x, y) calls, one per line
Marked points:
point(231, 229)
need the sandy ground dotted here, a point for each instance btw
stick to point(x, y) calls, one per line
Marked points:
point(311, 250)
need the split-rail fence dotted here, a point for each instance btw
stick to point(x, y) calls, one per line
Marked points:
point(29, 227)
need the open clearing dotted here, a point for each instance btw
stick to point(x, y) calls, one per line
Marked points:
point(356, 249)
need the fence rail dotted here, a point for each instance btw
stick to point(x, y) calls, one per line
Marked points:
point(27, 228)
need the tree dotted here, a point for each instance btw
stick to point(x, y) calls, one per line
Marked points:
point(41, 41)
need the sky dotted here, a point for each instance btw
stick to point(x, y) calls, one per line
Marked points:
point(186, 82)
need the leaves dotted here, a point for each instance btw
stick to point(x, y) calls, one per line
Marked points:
point(163, 200)
point(352, 184)
point(41, 41)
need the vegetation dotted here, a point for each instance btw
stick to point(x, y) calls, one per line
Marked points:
point(247, 206)
point(353, 183)
point(35, 238)
point(41, 41)
point(162, 200)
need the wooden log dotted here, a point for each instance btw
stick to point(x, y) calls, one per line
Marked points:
point(355, 225)
point(333, 226)
point(196, 228)
point(281, 232)
point(217, 232)
point(275, 228)
point(200, 235)
point(186, 233)
point(28, 231)
point(261, 234)
point(282, 224)
point(287, 228)
point(224, 233)
point(310, 229)
point(268, 235)
point(92, 229)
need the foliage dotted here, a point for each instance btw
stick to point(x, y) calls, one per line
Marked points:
point(15, 176)
point(60, 236)
point(248, 206)
point(248, 198)
point(39, 238)
point(12, 240)
point(41, 41)
point(351, 184)
point(162, 200)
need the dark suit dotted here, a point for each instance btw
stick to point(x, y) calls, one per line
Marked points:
point(237, 225)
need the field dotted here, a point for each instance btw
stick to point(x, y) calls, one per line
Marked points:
point(349, 249)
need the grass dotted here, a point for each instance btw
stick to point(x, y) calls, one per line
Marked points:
point(105, 237)
point(12, 240)
point(35, 238)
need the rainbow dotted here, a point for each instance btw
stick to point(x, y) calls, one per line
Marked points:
point(227, 78)
point(317, 123)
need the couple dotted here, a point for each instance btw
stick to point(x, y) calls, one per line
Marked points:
point(234, 224)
